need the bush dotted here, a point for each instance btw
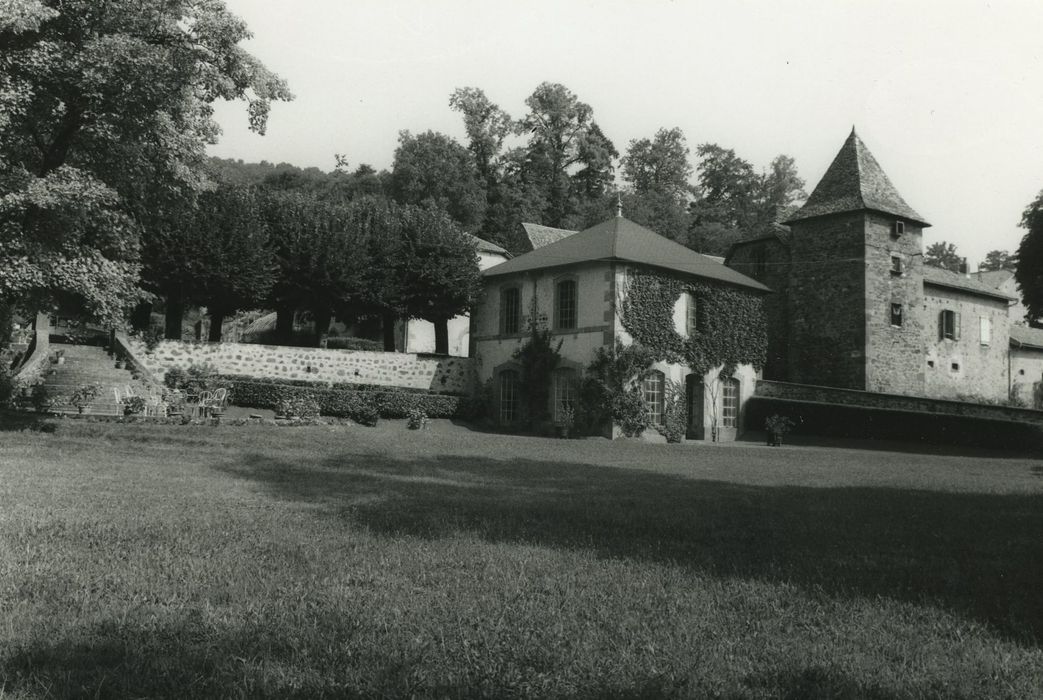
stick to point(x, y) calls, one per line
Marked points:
point(6, 384)
point(366, 414)
point(630, 412)
point(346, 343)
point(175, 378)
point(299, 405)
point(416, 420)
point(135, 404)
point(675, 413)
point(201, 378)
point(348, 403)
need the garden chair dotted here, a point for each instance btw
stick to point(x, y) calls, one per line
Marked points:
point(217, 405)
point(206, 398)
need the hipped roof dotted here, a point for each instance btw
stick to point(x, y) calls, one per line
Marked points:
point(855, 182)
point(620, 239)
point(941, 277)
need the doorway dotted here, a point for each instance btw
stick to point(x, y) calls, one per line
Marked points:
point(693, 389)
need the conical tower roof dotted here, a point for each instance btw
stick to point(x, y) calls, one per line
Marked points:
point(855, 182)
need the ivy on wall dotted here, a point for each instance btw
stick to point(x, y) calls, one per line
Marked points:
point(732, 325)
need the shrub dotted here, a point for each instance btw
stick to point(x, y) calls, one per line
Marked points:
point(675, 413)
point(175, 378)
point(200, 378)
point(346, 343)
point(6, 384)
point(152, 336)
point(366, 414)
point(83, 397)
point(629, 410)
point(298, 405)
point(416, 420)
point(134, 404)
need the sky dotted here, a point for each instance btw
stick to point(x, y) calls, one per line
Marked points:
point(946, 94)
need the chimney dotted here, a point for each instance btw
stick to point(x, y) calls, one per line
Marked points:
point(963, 267)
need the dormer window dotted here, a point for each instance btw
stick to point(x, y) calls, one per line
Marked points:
point(898, 228)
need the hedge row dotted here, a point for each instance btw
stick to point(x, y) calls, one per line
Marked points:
point(345, 403)
point(348, 386)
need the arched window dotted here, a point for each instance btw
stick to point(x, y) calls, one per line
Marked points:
point(510, 310)
point(565, 305)
point(730, 402)
point(653, 389)
point(508, 396)
point(565, 385)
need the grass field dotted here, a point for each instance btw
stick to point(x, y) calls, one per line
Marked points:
point(347, 561)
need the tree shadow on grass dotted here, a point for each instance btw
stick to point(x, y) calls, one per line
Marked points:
point(19, 421)
point(980, 555)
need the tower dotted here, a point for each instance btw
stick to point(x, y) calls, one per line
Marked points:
point(855, 303)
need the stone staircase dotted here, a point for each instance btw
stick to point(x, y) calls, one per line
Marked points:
point(86, 364)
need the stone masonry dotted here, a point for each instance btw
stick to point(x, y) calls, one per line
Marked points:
point(442, 374)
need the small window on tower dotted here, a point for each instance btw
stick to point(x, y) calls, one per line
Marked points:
point(896, 314)
point(896, 265)
point(898, 229)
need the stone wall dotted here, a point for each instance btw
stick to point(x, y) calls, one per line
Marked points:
point(895, 402)
point(436, 373)
point(969, 366)
point(1026, 376)
point(827, 330)
point(894, 353)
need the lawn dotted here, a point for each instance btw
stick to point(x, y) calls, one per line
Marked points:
point(348, 561)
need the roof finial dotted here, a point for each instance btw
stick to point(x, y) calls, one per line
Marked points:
point(853, 130)
point(619, 205)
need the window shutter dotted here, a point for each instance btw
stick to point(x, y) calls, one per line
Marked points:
point(956, 326)
point(941, 325)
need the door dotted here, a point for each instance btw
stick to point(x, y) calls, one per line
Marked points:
point(693, 388)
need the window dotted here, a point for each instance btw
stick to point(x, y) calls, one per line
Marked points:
point(896, 314)
point(565, 305)
point(955, 366)
point(565, 383)
point(692, 314)
point(508, 396)
point(984, 330)
point(653, 389)
point(896, 265)
point(930, 363)
point(1021, 372)
point(510, 310)
point(948, 325)
point(898, 228)
point(729, 402)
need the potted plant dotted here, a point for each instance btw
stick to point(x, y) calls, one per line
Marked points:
point(83, 397)
point(777, 426)
point(568, 419)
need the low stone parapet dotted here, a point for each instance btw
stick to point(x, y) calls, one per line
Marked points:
point(438, 373)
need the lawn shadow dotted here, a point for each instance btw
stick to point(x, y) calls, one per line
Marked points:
point(980, 555)
point(19, 421)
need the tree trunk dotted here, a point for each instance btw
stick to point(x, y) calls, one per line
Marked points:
point(322, 324)
point(217, 320)
point(141, 317)
point(441, 336)
point(175, 315)
point(388, 326)
point(284, 324)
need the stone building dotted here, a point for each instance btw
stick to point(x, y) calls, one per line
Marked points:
point(576, 283)
point(854, 305)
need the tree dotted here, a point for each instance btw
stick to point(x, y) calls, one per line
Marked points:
point(437, 269)
point(779, 190)
point(487, 128)
point(657, 172)
point(432, 167)
point(567, 156)
point(321, 258)
point(998, 260)
point(943, 255)
point(104, 115)
point(1029, 272)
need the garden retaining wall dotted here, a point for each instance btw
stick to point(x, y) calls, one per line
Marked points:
point(437, 373)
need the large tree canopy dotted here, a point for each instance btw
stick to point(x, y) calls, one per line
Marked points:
point(105, 109)
point(999, 260)
point(658, 174)
point(434, 168)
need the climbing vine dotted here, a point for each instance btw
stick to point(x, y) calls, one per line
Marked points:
point(732, 329)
